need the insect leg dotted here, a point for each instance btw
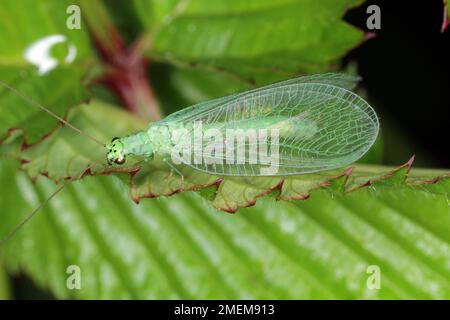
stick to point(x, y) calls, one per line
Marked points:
point(173, 168)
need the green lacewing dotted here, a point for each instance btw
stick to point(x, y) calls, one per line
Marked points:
point(320, 124)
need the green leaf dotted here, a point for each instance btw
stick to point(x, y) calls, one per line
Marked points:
point(254, 40)
point(65, 154)
point(180, 247)
point(58, 88)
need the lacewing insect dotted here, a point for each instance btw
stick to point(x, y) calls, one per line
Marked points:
point(320, 124)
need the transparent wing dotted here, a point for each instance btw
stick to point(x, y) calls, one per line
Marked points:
point(341, 80)
point(294, 128)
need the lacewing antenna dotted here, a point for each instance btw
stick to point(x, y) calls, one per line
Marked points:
point(49, 112)
point(32, 214)
point(42, 205)
point(61, 187)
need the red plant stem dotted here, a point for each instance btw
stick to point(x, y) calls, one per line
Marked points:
point(125, 68)
point(445, 20)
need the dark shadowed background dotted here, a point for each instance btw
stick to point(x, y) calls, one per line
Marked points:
point(406, 71)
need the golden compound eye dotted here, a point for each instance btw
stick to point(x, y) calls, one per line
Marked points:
point(120, 160)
